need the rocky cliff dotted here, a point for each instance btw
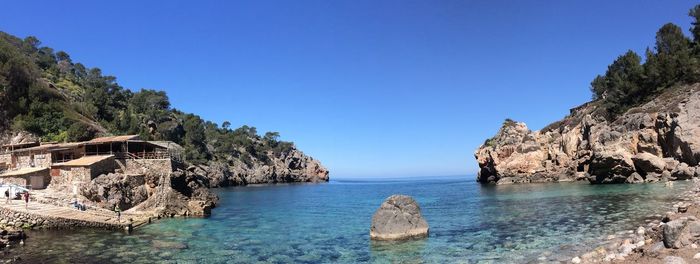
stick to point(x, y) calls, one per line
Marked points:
point(293, 166)
point(659, 140)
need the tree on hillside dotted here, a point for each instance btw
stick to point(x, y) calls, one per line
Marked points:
point(672, 62)
point(79, 131)
point(620, 84)
point(195, 139)
point(695, 29)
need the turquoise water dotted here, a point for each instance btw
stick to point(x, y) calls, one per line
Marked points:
point(329, 223)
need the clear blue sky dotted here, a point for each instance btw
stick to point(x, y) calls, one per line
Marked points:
point(371, 88)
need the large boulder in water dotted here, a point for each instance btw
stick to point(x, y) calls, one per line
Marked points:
point(398, 218)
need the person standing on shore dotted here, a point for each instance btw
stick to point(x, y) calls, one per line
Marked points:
point(26, 200)
point(7, 196)
point(118, 211)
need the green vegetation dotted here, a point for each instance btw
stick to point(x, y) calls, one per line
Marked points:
point(508, 123)
point(44, 92)
point(675, 60)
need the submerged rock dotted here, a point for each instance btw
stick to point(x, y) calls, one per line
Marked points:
point(162, 244)
point(398, 218)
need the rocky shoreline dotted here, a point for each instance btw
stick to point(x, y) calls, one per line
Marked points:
point(671, 237)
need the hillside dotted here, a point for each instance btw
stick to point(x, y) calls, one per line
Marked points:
point(45, 95)
point(643, 124)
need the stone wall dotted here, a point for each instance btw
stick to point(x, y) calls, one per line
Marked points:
point(102, 167)
point(23, 219)
point(147, 166)
point(6, 158)
point(69, 176)
point(24, 160)
point(25, 180)
point(21, 181)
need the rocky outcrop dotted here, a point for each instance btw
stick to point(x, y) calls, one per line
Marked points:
point(293, 166)
point(181, 193)
point(398, 218)
point(11, 137)
point(659, 140)
point(110, 190)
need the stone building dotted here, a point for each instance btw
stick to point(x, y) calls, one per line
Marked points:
point(82, 170)
point(36, 178)
point(37, 165)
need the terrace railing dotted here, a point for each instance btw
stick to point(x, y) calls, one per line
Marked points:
point(137, 155)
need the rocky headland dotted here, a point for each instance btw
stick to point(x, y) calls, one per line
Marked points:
point(185, 191)
point(658, 140)
point(294, 166)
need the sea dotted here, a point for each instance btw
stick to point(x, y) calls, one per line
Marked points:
point(329, 223)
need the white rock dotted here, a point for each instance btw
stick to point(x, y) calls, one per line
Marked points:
point(609, 257)
point(626, 249)
point(674, 260)
point(694, 245)
point(577, 260)
point(641, 231)
point(697, 256)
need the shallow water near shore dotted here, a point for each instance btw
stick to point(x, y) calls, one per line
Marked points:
point(329, 223)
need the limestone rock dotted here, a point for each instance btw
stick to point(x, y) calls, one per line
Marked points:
point(674, 260)
point(182, 193)
point(607, 151)
point(293, 166)
point(647, 162)
point(681, 232)
point(115, 189)
point(683, 172)
point(634, 178)
point(398, 218)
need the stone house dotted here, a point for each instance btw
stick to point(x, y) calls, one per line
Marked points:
point(37, 165)
point(36, 178)
point(81, 170)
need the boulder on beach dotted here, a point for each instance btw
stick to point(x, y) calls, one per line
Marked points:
point(681, 232)
point(398, 218)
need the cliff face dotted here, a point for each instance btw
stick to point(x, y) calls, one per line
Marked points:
point(293, 166)
point(659, 140)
